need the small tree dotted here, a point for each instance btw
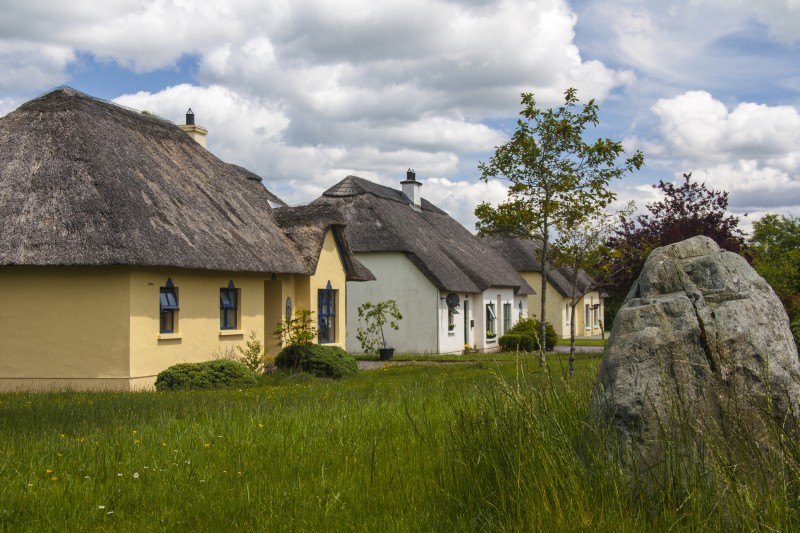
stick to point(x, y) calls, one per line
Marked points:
point(553, 174)
point(299, 330)
point(253, 355)
point(580, 246)
point(375, 316)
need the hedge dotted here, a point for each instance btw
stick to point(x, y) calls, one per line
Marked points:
point(207, 375)
point(321, 361)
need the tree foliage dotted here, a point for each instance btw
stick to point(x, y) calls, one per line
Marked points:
point(375, 316)
point(774, 250)
point(554, 175)
point(686, 210)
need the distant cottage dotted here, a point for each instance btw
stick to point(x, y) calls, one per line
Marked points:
point(126, 247)
point(451, 288)
point(523, 255)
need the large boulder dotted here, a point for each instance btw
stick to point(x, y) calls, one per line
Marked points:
point(700, 340)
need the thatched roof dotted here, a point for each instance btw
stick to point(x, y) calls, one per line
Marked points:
point(88, 182)
point(523, 254)
point(380, 219)
point(306, 226)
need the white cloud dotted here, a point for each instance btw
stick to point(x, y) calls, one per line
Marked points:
point(459, 198)
point(752, 150)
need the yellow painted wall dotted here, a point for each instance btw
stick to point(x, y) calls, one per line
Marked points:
point(198, 336)
point(329, 268)
point(557, 310)
point(99, 327)
point(64, 327)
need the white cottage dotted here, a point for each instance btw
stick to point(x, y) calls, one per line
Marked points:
point(451, 288)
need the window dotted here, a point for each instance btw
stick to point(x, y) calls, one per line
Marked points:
point(326, 310)
point(229, 307)
point(596, 314)
point(569, 315)
point(491, 319)
point(586, 317)
point(506, 317)
point(169, 307)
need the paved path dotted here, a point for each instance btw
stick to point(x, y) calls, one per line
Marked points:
point(595, 349)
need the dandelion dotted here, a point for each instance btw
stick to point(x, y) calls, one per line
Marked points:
point(261, 425)
point(206, 445)
point(134, 432)
point(53, 478)
point(136, 475)
point(49, 471)
point(137, 441)
point(62, 435)
point(59, 454)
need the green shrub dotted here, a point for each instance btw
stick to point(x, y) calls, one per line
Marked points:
point(321, 361)
point(523, 342)
point(532, 327)
point(207, 375)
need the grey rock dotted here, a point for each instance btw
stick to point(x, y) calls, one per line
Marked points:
point(700, 339)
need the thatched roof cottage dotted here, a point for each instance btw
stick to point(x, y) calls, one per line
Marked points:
point(126, 247)
point(451, 288)
point(523, 255)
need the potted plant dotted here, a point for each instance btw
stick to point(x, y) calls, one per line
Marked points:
point(375, 316)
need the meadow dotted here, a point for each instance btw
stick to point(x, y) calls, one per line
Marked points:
point(493, 445)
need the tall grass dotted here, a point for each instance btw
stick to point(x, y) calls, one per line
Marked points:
point(531, 459)
point(473, 447)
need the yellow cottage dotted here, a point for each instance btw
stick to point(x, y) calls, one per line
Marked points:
point(127, 247)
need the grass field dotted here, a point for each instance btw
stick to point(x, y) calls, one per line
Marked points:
point(454, 447)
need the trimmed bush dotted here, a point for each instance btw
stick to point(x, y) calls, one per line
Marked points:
point(321, 361)
point(532, 327)
point(207, 375)
point(511, 342)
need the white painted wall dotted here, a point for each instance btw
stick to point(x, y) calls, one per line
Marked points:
point(453, 341)
point(418, 300)
point(498, 296)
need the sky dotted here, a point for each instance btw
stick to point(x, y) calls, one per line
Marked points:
point(306, 92)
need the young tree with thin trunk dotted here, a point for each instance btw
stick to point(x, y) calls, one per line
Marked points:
point(552, 174)
point(579, 246)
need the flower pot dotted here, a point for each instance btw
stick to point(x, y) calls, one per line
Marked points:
point(385, 353)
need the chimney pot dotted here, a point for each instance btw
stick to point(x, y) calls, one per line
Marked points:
point(190, 117)
point(411, 188)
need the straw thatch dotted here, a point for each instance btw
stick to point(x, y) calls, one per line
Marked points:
point(88, 182)
point(307, 226)
point(523, 254)
point(381, 219)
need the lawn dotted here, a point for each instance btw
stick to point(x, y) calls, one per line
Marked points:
point(486, 446)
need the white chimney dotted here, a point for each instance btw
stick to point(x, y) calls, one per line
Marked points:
point(411, 188)
point(198, 133)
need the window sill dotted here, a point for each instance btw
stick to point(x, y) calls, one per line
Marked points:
point(169, 336)
point(451, 333)
point(230, 332)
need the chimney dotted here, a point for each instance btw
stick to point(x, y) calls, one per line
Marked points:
point(198, 133)
point(411, 189)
